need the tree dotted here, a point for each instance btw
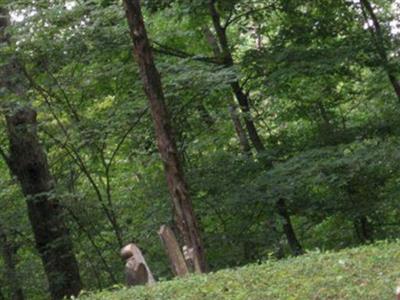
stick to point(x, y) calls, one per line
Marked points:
point(185, 217)
point(227, 59)
point(244, 103)
point(378, 38)
point(27, 161)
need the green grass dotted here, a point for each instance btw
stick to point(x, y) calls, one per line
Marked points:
point(369, 272)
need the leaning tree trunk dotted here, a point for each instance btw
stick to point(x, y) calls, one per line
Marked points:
point(28, 162)
point(244, 102)
point(185, 218)
point(227, 60)
point(237, 124)
point(377, 36)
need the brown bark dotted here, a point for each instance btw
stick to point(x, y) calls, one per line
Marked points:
point(185, 218)
point(377, 36)
point(28, 163)
point(8, 252)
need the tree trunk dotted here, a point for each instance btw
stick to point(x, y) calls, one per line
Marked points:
point(212, 42)
point(241, 97)
point(241, 134)
point(294, 243)
point(243, 100)
point(243, 142)
point(377, 36)
point(28, 163)
point(396, 85)
point(185, 218)
point(364, 229)
point(8, 252)
point(244, 103)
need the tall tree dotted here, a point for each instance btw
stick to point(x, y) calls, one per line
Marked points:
point(244, 102)
point(378, 38)
point(185, 217)
point(237, 124)
point(27, 161)
point(227, 59)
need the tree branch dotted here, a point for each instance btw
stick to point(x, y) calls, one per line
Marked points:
point(119, 145)
point(166, 50)
point(230, 20)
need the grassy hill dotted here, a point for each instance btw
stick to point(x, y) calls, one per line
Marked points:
point(369, 272)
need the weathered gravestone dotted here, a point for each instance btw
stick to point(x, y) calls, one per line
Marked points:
point(137, 271)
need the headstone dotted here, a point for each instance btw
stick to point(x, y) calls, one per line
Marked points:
point(137, 271)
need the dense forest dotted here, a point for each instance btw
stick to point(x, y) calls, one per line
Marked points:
point(254, 129)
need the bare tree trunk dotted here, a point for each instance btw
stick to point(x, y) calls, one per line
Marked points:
point(377, 36)
point(28, 163)
point(185, 218)
point(8, 252)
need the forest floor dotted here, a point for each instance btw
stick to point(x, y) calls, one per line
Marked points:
point(368, 272)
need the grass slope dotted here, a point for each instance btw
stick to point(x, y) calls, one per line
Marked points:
point(369, 272)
